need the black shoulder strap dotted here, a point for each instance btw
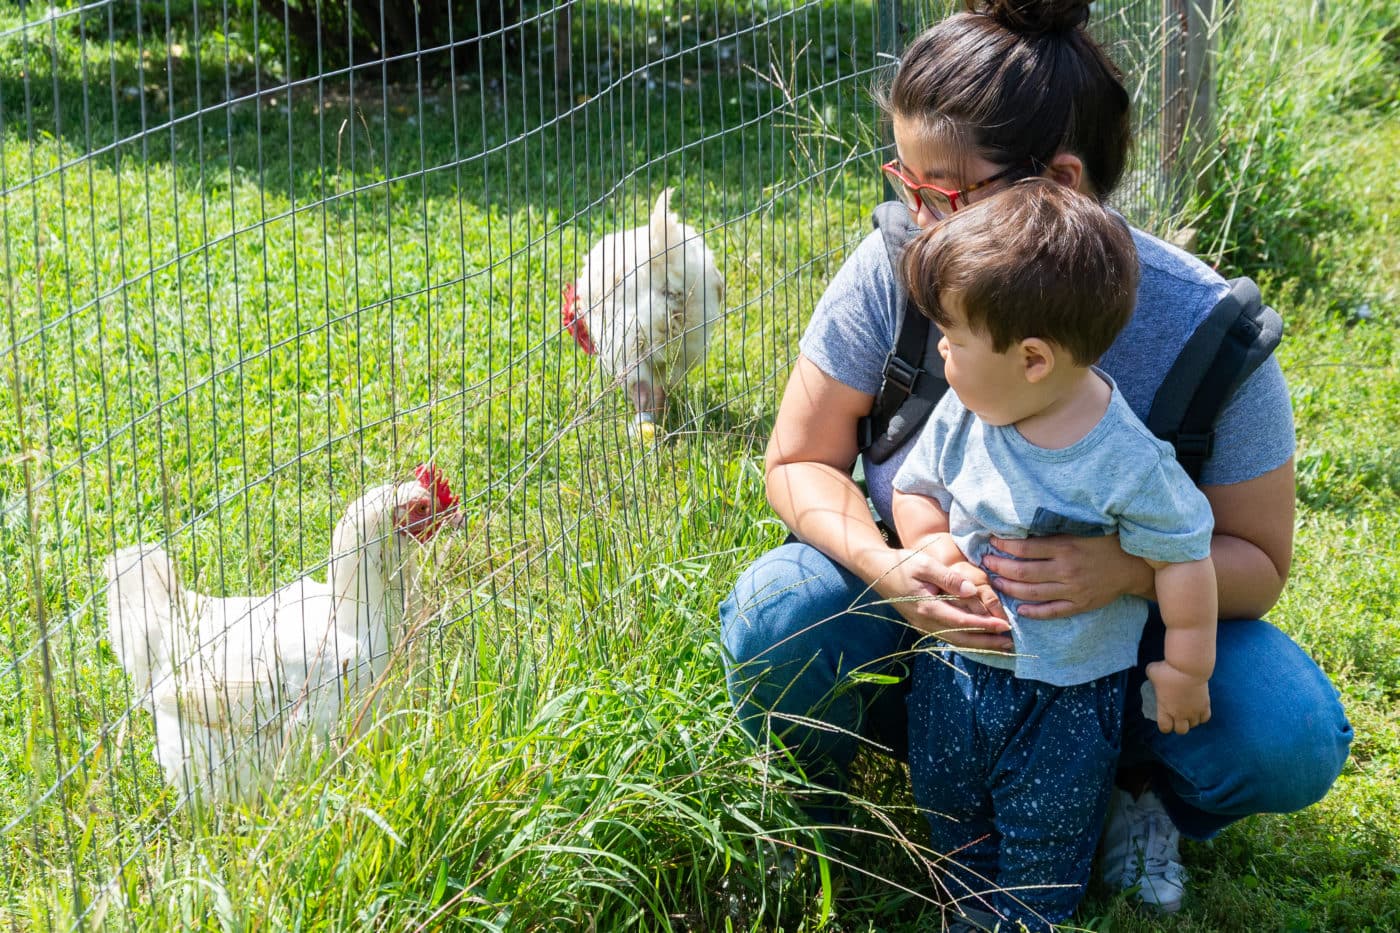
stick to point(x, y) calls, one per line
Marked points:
point(913, 378)
point(1239, 333)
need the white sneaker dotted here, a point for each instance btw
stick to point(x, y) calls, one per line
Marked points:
point(1140, 850)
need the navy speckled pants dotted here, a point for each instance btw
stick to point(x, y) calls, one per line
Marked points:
point(1014, 777)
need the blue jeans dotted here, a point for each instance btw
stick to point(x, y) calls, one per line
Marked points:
point(797, 625)
point(1014, 777)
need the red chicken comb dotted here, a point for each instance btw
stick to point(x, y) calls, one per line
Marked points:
point(573, 323)
point(435, 481)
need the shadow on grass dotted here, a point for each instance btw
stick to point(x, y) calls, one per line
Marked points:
point(649, 95)
point(720, 414)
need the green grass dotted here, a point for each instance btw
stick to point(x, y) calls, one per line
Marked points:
point(215, 334)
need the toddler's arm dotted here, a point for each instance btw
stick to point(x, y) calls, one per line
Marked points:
point(922, 525)
point(1186, 595)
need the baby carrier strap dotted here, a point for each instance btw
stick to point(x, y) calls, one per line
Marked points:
point(1238, 334)
point(913, 378)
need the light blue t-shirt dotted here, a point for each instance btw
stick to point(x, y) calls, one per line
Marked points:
point(852, 330)
point(1118, 478)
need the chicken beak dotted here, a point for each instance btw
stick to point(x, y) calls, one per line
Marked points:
point(424, 529)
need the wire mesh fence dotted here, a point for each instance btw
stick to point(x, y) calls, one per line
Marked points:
point(264, 258)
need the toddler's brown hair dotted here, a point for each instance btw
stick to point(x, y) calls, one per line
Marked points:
point(1037, 259)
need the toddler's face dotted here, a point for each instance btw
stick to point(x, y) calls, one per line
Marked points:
point(989, 383)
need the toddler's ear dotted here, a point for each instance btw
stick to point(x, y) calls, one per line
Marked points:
point(1037, 359)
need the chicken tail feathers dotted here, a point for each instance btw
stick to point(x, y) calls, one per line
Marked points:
point(141, 587)
point(662, 227)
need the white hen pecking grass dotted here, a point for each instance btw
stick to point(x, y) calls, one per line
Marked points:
point(645, 303)
point(232, 681)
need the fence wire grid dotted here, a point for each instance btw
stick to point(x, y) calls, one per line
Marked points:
point(263, 257)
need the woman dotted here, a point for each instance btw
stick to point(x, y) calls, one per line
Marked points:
point(1009, 89)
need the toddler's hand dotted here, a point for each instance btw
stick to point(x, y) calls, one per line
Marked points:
point(987, 599)
point(1183, 701)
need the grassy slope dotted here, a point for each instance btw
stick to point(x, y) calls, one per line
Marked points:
point(563, 752)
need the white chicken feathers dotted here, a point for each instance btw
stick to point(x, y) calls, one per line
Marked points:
point(645, 303)
point(231, 681)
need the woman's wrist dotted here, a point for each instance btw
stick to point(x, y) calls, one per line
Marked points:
point(875, 561)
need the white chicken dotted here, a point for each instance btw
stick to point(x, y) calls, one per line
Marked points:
point(232, 682)
point(645, 303)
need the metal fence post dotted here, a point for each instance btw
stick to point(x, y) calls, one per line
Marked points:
point(1189, 110)
point(891, 43)
point(1201, 21)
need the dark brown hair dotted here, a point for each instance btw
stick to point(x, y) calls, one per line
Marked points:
point(1037, 259)
point(1017, 81)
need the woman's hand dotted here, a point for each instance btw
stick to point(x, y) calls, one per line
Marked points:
point(1252, 550)
point(957, 604)
point(1060, 575)
point(809, 485)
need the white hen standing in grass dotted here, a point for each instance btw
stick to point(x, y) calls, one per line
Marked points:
point(645, 303)
point(231, 681)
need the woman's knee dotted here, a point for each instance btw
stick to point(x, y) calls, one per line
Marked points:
point(1280, 736)
point(791, 639)
point(796, 626)
point(1301, 728)
point(782, 603)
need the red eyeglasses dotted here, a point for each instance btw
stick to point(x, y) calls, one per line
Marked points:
point(941, 201)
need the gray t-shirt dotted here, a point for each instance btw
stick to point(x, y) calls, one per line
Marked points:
point(852, 330)
point(1117, 478)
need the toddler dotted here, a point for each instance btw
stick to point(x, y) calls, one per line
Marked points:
point(1029, 288)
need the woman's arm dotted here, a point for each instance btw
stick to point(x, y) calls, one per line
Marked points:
point(1253, 544)
point(807, 467)
point(810, 488)
point(1252, 549)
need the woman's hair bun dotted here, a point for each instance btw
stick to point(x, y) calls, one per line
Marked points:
point(1035, 17)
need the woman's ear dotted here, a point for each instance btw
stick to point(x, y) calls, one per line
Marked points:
point(1037, 359)
point(1068, 169)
